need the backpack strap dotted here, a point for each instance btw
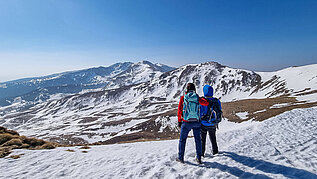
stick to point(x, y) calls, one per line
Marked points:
point(205, 117)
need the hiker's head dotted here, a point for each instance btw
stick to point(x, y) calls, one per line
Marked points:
point(208, 91)
point(190, 87)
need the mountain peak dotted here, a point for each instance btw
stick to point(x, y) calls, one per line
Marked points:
point(146, 62)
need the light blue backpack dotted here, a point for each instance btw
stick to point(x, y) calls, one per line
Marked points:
point(191, 107)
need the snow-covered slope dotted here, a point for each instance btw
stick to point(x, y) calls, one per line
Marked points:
point(137, 73)
point(148, 109)
point(281, 147)
point(110, 114)
point(30, 91)
point(300, 82)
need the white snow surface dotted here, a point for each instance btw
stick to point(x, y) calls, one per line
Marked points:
point(296, 79)
point(242, 115)
point(281, 147)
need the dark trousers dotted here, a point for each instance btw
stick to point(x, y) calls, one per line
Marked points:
point(186, 127)
point(212, 136)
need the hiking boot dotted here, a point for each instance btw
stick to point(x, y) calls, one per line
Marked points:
point(179, 160)
point(215, 152)
point(198, 161)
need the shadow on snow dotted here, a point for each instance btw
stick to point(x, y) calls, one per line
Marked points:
point(268, 167)
point(261, 165)
point(232, 170)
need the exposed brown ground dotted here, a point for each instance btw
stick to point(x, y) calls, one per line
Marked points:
point(16, 156)
point(70, 150)
point(253, 105)
point(85, 147)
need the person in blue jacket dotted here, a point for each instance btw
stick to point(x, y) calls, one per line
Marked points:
point(210, 116)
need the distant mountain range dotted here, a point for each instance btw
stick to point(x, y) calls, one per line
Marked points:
point(132, 101)
point(31, 91)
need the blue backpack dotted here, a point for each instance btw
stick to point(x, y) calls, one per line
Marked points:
point(191, 107)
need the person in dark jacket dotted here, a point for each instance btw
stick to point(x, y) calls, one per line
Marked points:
point(188, 119)
point(210, 116)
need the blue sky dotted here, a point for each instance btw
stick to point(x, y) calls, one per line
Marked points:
point(41, 37)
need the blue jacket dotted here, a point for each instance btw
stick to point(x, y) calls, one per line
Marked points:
point(204, 112)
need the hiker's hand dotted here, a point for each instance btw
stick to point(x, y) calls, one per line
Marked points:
point(180, 124)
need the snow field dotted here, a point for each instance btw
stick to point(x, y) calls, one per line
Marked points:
point(284, 146)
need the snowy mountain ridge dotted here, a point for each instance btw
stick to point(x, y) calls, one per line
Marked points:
point(32, 91)
point(148, 110)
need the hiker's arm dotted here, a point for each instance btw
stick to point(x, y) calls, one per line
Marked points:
point(203, 102)
point(219, 111)
point(180, 109)
point(219, 104)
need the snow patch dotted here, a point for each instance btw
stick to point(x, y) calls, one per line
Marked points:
point(280, 105)
point(259, 111)
point(243, 115)
point(170, 122)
